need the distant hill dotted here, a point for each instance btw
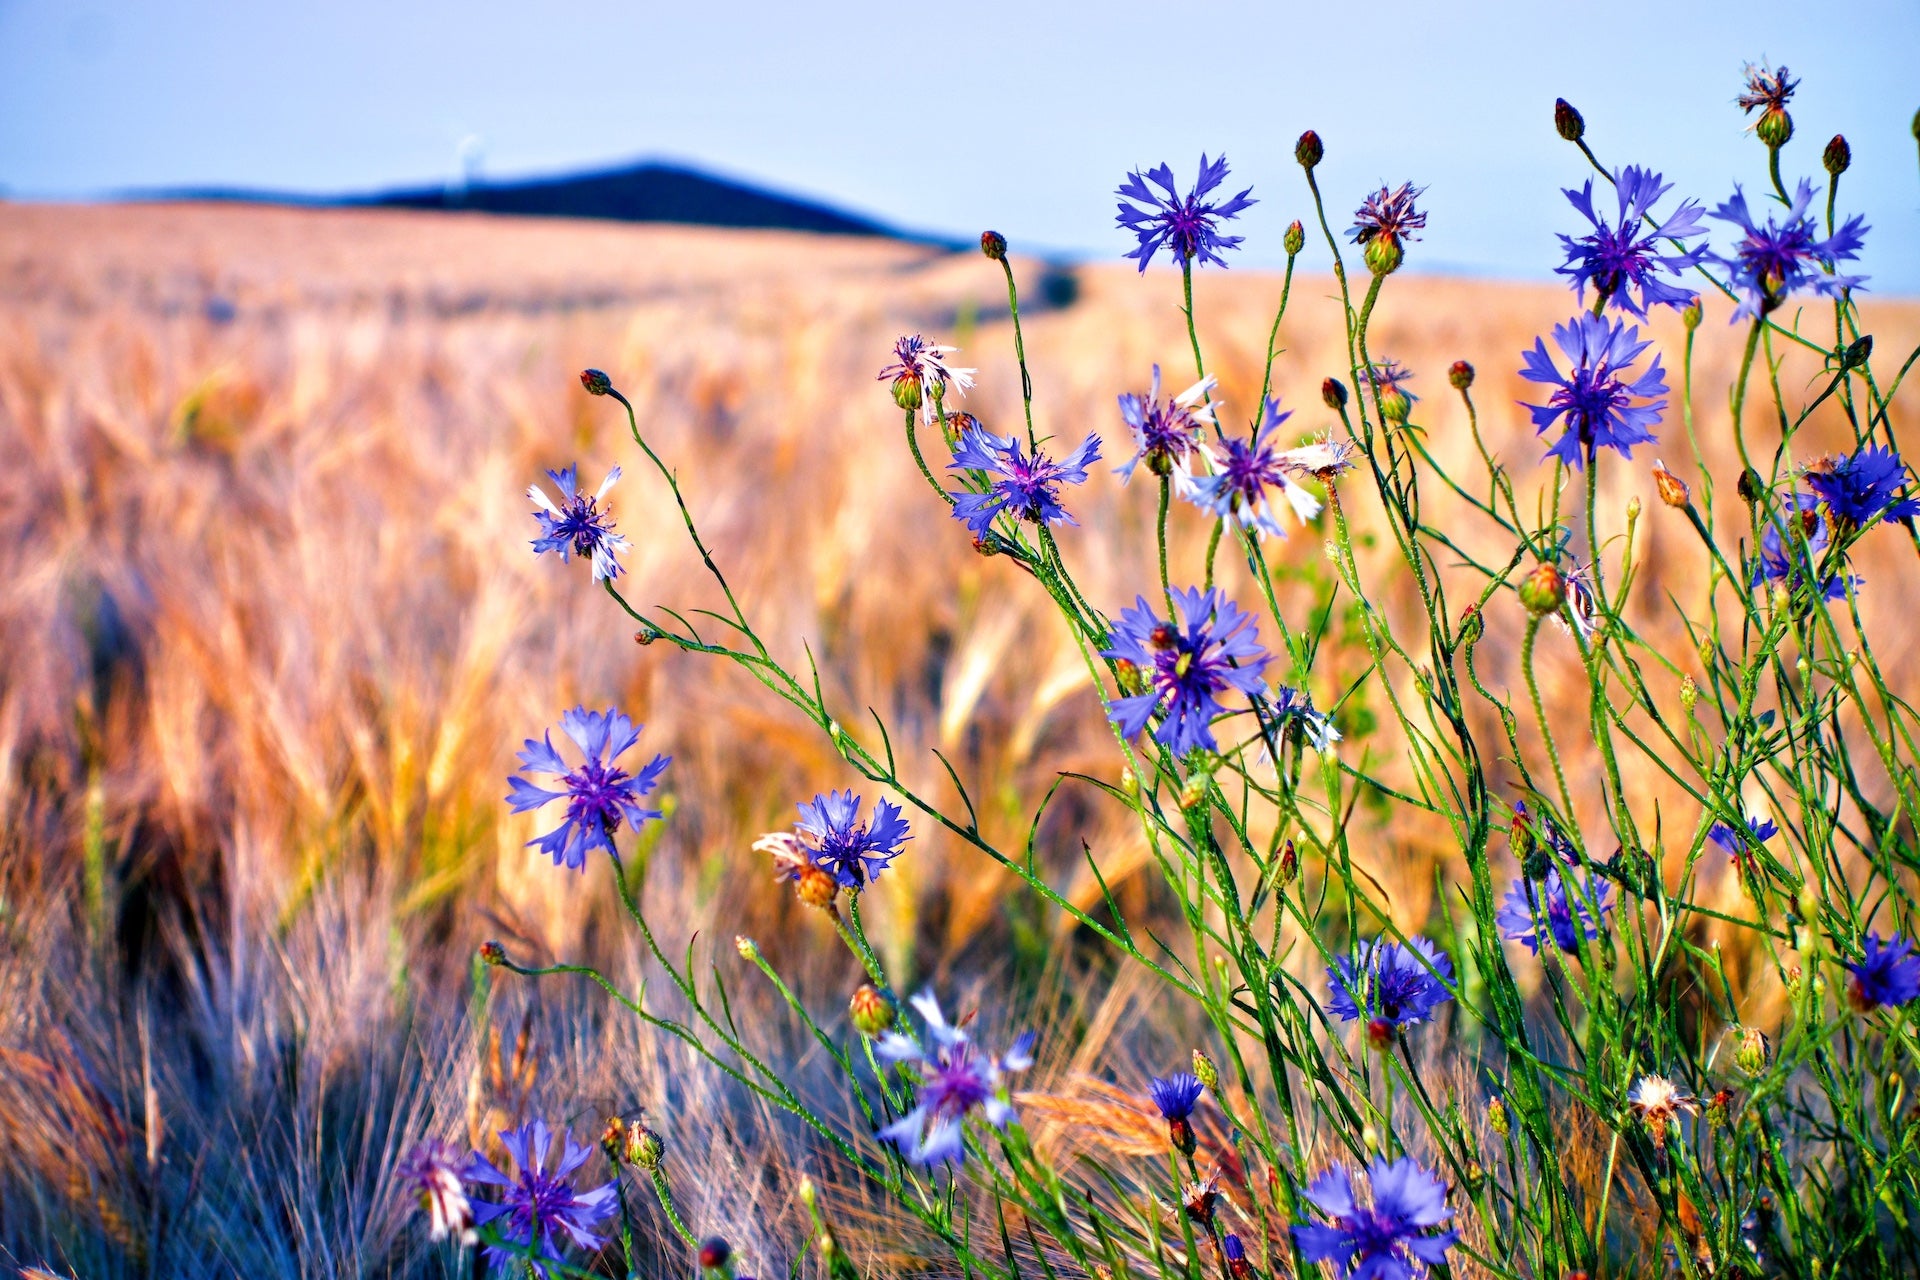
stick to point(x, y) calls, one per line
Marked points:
point(645, 192)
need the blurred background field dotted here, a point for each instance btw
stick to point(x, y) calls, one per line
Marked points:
point(272, 633)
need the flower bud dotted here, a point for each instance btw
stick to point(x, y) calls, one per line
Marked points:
point(644, 1148)
point(1180, 1137)
point(1308, 150)
point(613, 1138)
point(1915, 129)
point(1750, 1056)
point(1837, 156)
point(596, 382)
point(1689, 694)
point(1567, 122)
point(747, 947)
point(1384, 255)
point(1774, 128)
point(1334, 392)
point(1720, 1108)
point(1380, 1033)
point(1193, 793)
point(1204, 1071)
point(1672, 489)
point(1497, 1117)
point(1543, 591)
point(1289, 866)
point(817, 886)
point(993, 244)
point(1858, 352)
point(1460, 375)
point(906, 392)
point(715, 1253)
point(1751, 486)
point(1295, 239)
point(1691, 313)
point(1633, 509)
point(870, 1011)
point(493, 953)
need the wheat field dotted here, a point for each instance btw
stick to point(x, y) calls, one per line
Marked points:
point(272, 633)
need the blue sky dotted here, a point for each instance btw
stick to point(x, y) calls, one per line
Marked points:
point(949, 118)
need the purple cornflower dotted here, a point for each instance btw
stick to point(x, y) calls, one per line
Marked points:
point(1768, 89)
point(576, 525)
point(1166, 432)
point(600, 795)
point(1887, 973)
point(1187, 227)
point(1184, 668)
point(955, 1079)
point(1772, 261)
point(1547, 910)
point(1740, 843)
point(539, 1204)
point(1390, 1239)
point(1384, 222)
point(1864, 487)
point(1389, 984)
point(854, 852)
point(1594, 398)
point(924, 364)
point(1243, 471)
point(1289, 705)
point(1620, 257)
point(1176, 1094)
point(431, 1174)
point(1776, 564)
point(1029, 488)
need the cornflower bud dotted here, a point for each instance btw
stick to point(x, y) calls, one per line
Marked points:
point(1193, 793)
point(1720, 1108)
point(644, 638)
point(993, 244)
point(1204, 1071)
point(1380, 1033)
point(1543, 591)
point(1497, 1117)
point(1567, 122)
point(1751, 486)
point(906, 392)
point(1289, 866)
point(715, 1253)
point(1858, 352)
point(1774, 128)
point(1473, 625)
point(1690, 315)
point(1334, 392)
point(613, 1138)
point(1370, 1139)
point(870, 1011)
point(1633, 509)
point(1308, 150)
point(747, 947)
point(817, 887)
point(644, 1148)
point(1915, 129)
point(1689, 694)
point(1295, 239)
point(1672, 489)
point(1129, 783)
point(1384, 255)
point(1837, 157)
point(596, 382)
point(1460, 375)
point(493, 953)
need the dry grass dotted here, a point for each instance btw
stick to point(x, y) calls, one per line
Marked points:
point(272, 633)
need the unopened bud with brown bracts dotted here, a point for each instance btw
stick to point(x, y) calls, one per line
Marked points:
point(1543, 591)
point(993, 244)
point(1334, 392)
point(493, 953)
point(596, 382)
point(1460, 375)
point(1567, 122)
point(1751, 1050)
point(870, 1011)
point(1308, 150)
point(1295, 239)
point(1672, 489)
point(1838, 156)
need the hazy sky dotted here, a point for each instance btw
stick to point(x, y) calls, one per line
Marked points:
point(953, 117)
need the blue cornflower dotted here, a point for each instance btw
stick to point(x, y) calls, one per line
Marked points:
point(1864, 487)
point(1594, 397)
point(577, 525)
point(1775, 564)
point(539, 1204)
point(1389, 984)
point(1187, 227)
point(1294, 706)
point(1887, 973)
point(1740, 842)
point(1029, 488)
point(956, 1078)
point(1176, 1094)
point(1547, 910)
point(921, 367)
point(1244, 470)
point(1772, 261)
point(853, 852)
point(600, 795)
point(430, 1173)
point(1166, 432)
point(1383, 224)
point(1621, 257)
point(1390, 1239)
point(1184, 668)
